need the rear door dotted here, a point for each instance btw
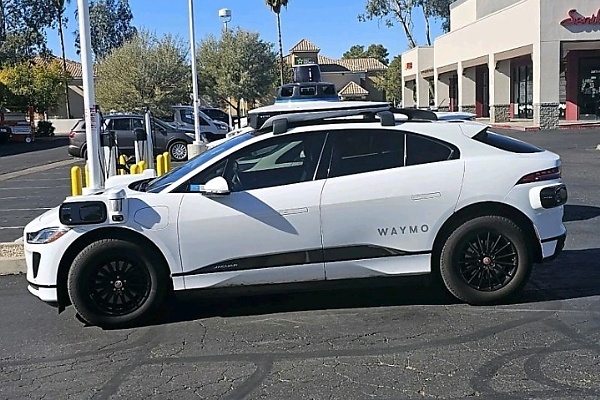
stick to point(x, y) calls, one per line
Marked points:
point(386, 195)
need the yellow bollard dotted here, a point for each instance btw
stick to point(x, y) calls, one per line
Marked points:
point(86, 183)
point(142, 165)
point(167, 160)
point(160, 165)
point(76, 184)
point(134, 169)
point(123, 163)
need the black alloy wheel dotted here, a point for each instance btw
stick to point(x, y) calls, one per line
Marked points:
point(119, 287)
point(485, 260)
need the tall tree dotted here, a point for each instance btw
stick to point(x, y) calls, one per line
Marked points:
point(38, 84)
point(145, 71)
point(401, 11)
point(391, 81)
point(377, 51)
point(22, 27)
point(110, 26)
point(275, 6)
point(237, 65)
point(61, 20)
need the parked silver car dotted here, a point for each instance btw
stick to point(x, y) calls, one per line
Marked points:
point(182, 117)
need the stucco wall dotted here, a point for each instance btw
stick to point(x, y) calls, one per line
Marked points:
point(516, 26)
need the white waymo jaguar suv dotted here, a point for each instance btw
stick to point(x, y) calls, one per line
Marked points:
point(329, 192)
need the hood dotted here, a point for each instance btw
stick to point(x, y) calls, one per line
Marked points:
point(46, 220)
point(123, 181)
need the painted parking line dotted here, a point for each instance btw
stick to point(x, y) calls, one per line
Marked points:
point(25, 209)
point(12, 227)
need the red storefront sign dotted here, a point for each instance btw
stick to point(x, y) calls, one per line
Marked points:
point(409, 65)
point(575, 18)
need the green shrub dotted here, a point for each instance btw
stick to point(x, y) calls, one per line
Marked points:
point(45, 129)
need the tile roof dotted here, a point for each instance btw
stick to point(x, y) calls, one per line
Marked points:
point(73, 67)
point(306, 46)
point(353, 89)
point(354, 64)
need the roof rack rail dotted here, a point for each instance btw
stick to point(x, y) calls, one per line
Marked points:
point(415, 114)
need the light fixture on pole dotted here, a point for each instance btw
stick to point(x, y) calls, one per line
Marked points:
point(225, 16)
point(195, 148)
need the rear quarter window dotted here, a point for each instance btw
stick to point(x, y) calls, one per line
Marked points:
point(505, 143)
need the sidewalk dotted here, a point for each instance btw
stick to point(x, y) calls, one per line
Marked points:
point(527, 125)
point(12, 259)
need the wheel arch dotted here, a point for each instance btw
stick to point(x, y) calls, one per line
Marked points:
point(102, 233)
point(482, 209)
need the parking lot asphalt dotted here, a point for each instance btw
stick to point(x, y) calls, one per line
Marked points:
point(400, 341)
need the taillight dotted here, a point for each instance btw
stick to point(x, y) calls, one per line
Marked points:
point(72, 135)
point(544, 175)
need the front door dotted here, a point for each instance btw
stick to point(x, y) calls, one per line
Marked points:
point(381, 210)
point(268, 229)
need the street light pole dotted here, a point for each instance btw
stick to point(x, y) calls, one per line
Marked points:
point(195, 148)
point(92, 117)
point(225, 15)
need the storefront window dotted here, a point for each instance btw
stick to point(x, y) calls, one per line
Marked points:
point(589, 88)
point(523, 91)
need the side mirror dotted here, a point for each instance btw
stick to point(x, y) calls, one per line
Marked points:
point(216, 187)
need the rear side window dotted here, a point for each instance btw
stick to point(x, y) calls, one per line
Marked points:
point(422, 150)
point(505, 143)
point(356, 152)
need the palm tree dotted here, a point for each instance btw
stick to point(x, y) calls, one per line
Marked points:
point(275, 6)
point(60, 11)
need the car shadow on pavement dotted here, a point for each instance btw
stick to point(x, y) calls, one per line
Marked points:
point(575, 274)
point(580, 212)
point(12, 148)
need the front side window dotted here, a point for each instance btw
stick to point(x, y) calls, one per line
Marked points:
point(356, 152)
point(422, 150)
point(276, 161)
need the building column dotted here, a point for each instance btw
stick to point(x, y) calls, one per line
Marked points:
point(422, 92)
point(466, 89)
point(499, 73)
point(442, 91)
point(546, 82)
point(408, 90)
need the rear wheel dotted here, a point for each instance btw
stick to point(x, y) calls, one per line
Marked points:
point(114, 283)
point(485, 260)
point(178, 151)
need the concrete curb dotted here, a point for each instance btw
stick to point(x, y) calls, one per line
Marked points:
point(12, 266)
point(12, 259)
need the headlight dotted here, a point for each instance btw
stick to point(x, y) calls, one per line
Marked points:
point(47, 235)
point(222, 127)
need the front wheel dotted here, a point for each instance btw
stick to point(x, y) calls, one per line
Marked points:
point(178, 151)
point(115, 283)
point(485, 260)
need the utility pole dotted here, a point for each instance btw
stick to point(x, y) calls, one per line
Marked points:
point(92, 116)
point(225, 16)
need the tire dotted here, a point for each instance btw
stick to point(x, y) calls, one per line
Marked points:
point(84, 154)
point(485, 260)
point(99, 291)
point(178, 151)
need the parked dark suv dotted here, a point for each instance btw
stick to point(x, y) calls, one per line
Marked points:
point(165, 136)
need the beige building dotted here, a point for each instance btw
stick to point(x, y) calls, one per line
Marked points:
point(512, 59)
point(75, 94)
point(354, 79)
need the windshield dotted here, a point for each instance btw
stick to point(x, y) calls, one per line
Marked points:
point(158, 184)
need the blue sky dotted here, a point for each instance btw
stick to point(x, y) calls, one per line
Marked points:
point(330, 24)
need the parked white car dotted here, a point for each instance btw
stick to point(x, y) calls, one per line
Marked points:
point(345, 192)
